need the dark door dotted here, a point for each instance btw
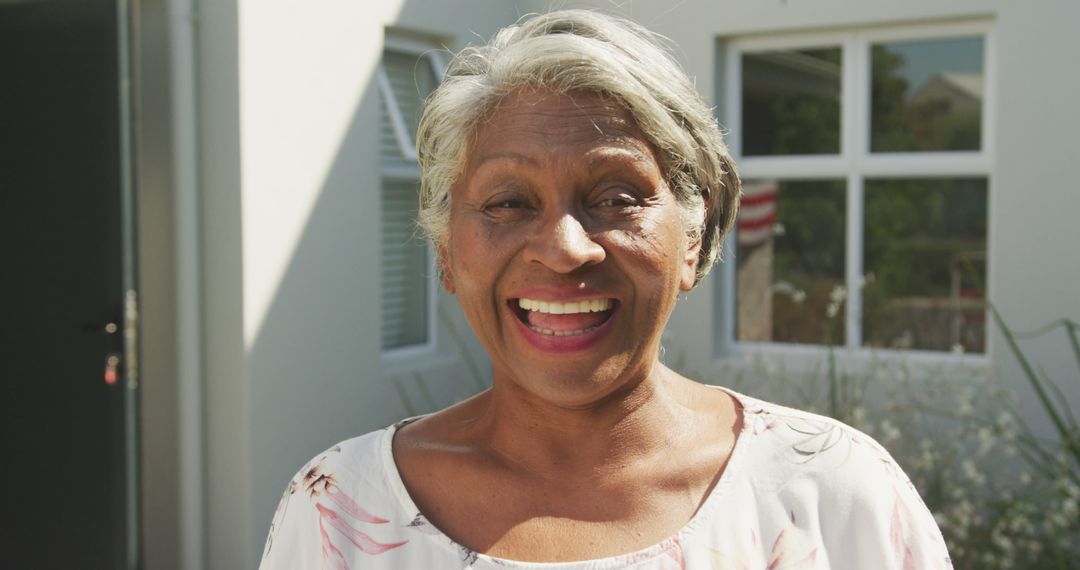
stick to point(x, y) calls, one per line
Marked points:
point(64, 412)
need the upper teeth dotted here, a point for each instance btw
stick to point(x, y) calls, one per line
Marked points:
point(587, 306)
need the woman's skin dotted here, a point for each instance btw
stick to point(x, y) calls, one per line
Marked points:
point(586, 446)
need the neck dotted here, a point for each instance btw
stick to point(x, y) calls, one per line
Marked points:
point(619, 429)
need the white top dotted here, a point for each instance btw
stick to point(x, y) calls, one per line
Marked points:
point(800, 491)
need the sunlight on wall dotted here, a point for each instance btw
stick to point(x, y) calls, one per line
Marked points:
point(302, 74)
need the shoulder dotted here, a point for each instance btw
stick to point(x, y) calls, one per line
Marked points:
point(345, 490)
point(806, 444)
point(865, 506)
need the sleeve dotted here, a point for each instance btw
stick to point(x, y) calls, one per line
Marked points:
point(319, 521)
point(294, 540)
point(891, 526)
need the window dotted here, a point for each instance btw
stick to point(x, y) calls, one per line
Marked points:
point(409, 72)
point(866, 157)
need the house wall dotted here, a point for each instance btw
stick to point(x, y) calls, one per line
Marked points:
point(288, 178)
point(290, 241)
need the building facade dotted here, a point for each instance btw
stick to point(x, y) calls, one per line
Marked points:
point(904, 162)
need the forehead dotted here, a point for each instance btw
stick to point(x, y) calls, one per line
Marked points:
point(545, 121)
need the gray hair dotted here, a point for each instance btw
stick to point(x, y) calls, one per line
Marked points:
point(582, 51)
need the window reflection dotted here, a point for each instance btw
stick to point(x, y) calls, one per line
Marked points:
point(927, 95)
point(790, 262)
point(791, 102)
point(925, 263)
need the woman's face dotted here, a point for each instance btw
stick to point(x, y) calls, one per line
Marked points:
point(567, 249)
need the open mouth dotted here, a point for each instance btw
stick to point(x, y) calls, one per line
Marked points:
point(563, 319)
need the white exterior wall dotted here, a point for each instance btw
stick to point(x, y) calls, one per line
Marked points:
point(289, 118)
point(289, 178)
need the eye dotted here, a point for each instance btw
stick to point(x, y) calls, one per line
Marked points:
point(506, 204)
point(619, 202)
point(617, 198)
point(508, 207)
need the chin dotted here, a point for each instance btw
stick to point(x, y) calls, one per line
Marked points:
point(574, 385)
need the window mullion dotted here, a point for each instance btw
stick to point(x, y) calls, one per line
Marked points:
point(989, 101)
point(733, 124)
point(855, 121)
point(854, 258)
point(733, 97)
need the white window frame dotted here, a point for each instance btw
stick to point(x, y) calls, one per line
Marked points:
point(854, 164)
point(403, 354)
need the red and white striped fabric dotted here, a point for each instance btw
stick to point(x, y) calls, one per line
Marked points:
point(757, 212)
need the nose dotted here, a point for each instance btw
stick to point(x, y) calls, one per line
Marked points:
point(563, 245)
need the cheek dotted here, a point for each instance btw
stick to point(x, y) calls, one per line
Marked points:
point(648, 261)
point(654, 246)
point(478, 256)
point(480, 249)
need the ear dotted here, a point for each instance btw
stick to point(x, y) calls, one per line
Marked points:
point(688, 269)
point(444, 269)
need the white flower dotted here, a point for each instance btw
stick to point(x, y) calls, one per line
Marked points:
point(858, 416)
point(838, 294)
point(1069, 508)
point(972, 473)
point(889, 432)
point(986, 441)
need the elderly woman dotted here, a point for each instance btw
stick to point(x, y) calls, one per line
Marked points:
point(574, 184)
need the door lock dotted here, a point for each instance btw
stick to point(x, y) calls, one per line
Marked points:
point(112, 368)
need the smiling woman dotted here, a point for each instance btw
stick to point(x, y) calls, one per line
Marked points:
point(574, 184)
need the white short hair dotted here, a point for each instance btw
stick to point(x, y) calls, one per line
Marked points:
point(583, 51)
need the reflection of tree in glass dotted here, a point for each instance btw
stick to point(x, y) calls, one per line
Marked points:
point(805, 125)
point(918, 235)
point(810, 256)
point(812, 214)
point(944, 113)
point(791, 102)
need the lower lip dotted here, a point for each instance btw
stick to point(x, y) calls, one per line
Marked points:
point(563, 344)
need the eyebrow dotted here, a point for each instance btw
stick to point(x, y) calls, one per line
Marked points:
point(598, 158)
point(506, 155)
point(617, 154)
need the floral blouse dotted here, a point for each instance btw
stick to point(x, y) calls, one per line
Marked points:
point(800, 491)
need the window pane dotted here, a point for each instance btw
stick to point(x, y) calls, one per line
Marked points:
point(791, 102)
point(927, 95)
point(412, 78)
point(925, 263)
point(405, 273)
point(789, 262)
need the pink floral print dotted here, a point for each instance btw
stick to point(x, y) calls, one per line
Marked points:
point(792, 549)
point(798, 493)
point(334, 508)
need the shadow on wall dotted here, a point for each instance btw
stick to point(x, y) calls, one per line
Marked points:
point(322, 329)
point(316, 369)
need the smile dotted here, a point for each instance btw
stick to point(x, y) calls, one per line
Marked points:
point(574, 318)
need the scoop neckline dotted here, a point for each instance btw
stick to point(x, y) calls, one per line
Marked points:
point(699, 519)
